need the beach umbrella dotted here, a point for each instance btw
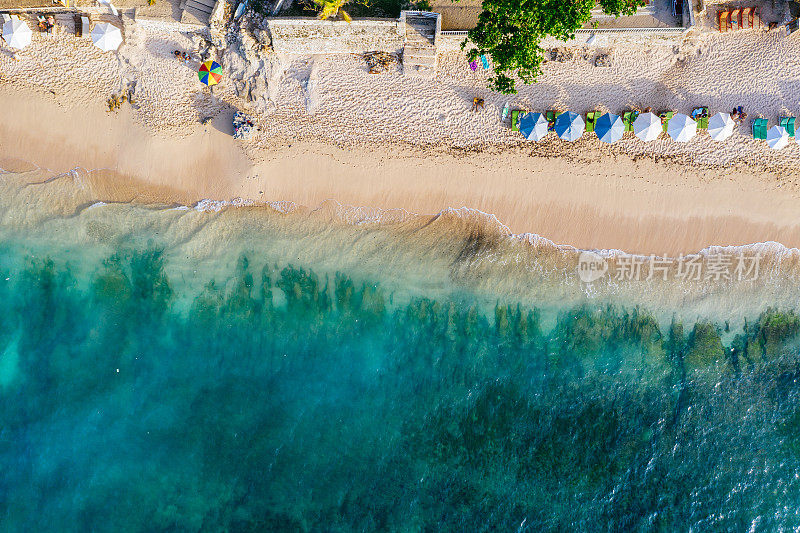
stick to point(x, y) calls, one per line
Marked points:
point(720, 126)
point(17, 34)
point(777, 137)
point(106, 36)
point(647, 126)
point(533, 126)
point(569, 126)
point(609, 128)
point(681, 128)
point(210, 72)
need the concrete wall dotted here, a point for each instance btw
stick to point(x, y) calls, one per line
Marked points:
point(311, 36)
point(451, 41)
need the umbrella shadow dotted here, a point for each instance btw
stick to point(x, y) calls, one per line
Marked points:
point(214, 112)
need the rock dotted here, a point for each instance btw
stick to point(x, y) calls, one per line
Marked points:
point(562, 55)
point(602, 60)
point(259, 88)
point(263, 37)
point(243, 126)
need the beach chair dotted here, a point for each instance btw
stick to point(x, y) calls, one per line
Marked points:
point(551, 119)
point(700, 114)
point(760, 128)
point(591, 119)
point(5, 18)
point(627, 118)
point(736, 21)
point(515, 114)
point(788, 123)
point(747, 16)
point(665, 117)
point(86, 26)
point(473, 65)
point(722, 18)
point(485, 62)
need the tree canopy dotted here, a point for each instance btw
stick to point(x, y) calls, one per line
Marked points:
point(511, 31)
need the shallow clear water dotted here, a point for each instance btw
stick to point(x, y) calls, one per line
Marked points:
point(166, 369)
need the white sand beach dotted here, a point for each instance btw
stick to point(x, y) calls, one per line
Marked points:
point(329, 130)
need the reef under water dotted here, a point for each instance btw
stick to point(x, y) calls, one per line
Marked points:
point(277, 399)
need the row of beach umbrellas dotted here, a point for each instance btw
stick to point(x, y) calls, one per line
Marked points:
point(105, 36)
point(610, 128)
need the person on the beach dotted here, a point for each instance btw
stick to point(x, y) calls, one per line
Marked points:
point(477, 103)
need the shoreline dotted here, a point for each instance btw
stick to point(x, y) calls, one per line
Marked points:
point(578, 195)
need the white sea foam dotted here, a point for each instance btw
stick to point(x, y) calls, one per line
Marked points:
point(215, 206)
point(283, 207)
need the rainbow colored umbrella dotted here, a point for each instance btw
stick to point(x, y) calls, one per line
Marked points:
point(210, 72)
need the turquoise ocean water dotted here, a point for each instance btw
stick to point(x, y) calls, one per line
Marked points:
point(262, 369)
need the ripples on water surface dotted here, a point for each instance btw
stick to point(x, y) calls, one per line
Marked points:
point(175, 370)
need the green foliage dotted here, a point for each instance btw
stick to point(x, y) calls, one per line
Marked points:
point(355, 8)
point(621, 8)
point(331, 9)
point(511, 31)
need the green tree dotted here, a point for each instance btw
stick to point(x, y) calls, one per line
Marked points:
point(511, 31)
point(620, 8)
point(331, 8)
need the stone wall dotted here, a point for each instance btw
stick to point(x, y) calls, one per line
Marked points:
point(312, 36)
point(451, 41)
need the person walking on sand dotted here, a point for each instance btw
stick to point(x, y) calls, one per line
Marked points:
point(477, 103)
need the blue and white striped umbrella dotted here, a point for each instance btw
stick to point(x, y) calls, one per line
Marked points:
point(569, 126)
point(609, 128)
point(533, 126)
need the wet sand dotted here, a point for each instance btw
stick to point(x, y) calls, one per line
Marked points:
point(598, 201)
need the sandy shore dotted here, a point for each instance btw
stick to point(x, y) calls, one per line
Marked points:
point(661, 197)
point(599, 201)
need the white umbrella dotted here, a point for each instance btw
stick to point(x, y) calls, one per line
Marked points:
point(720, 126)
point(681, 128)
point(106, 36)
point(17, 34)
point(647, 127)
point(777, 137)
